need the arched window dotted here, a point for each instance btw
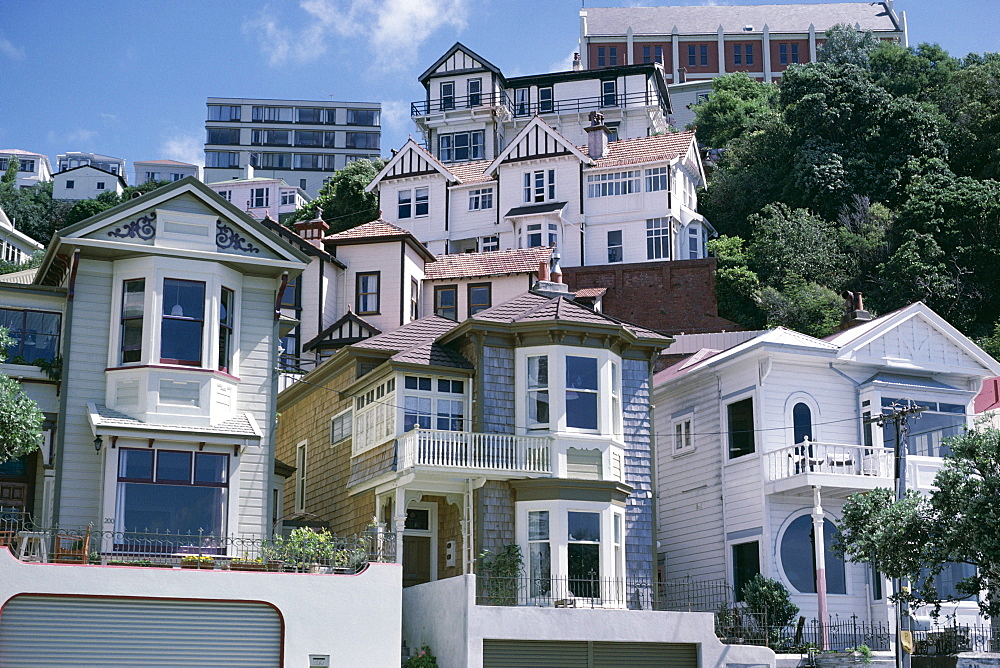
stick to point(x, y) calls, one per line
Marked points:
point(801, 423)
point(798, 557)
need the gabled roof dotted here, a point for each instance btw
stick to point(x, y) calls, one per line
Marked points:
point(794, 18)
point(493, 263)
point(470, 172)
point(458, 46)
point(416, 343)
point(536, 131)
point(324, 337)
point(96, 169)
point(378, 231)
point(645, 149)
point(411, 160)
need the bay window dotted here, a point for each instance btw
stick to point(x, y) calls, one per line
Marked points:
point(538, 391)
point(583, 539)
point(433, 402)
point(374, 416)
point(170, 491)
point(539, 553)
point(226, 330)
point(182, 322)
point(34, 335)
point(133, 297)
point(581, 392)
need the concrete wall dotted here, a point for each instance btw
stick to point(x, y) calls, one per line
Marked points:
point(353, 618)
point(444, 616)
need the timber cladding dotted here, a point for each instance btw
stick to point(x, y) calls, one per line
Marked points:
point(494, 520)
point(328, 466)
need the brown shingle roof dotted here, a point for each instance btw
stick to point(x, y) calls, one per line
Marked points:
point(470, 172)
point(415, 343)
point(645, 149)
point(494, 263)
point(374, 229)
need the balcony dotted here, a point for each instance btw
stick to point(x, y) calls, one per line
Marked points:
point(578, 105)
point(816, 464)
point(464, 450)
point(446, 104)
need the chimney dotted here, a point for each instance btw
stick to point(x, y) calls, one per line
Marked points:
point(597, 136)
point(577, 63)
point(554, 287)
point(854, 311)
point(682, 75)
point(313, 230)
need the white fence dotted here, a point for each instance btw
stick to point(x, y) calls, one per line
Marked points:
point(473, 450)
point(837, 458)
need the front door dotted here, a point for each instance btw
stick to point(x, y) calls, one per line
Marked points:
point(416, 560)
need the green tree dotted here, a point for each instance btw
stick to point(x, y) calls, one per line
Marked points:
point(343, 198)
point(919, 536)
point(845, 45)
point(737, 105)
point(737, 287)
point(10, 176)
point(802, 305)
point(769, 600)
point(20, 419)
point(85, 208)
point(32, 210)
point(786, 241)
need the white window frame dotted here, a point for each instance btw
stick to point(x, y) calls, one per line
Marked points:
point(260, 198)
point(375, 415)
point(682, 433)
point(301, 479)
point(346, 421)
point(539, 186)
point(613, 184)
point(620, 246)
point(656, 179)
point(658, 231)
point(480, 199)
point(490, 243)
point(435, 396)
point(404, 198)
point(421, 201)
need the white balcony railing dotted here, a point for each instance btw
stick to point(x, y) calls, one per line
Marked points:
point(473, 450)
point(836, 458)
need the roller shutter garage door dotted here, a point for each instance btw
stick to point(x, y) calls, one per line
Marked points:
point(579, 654)
point(97, 631)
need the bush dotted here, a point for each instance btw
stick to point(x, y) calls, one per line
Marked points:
point(769, 600)
point(422, 659)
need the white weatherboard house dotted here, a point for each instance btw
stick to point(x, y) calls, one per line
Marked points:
point(15, 246)
point(758, 442)
point(33, 168)
point(618, 202)
point(85, 182)
point(161, 315)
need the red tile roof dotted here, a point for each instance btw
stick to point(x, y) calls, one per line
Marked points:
point(645, 149)
point(374, 229)
point(588, 293)
point(470, 172)
point(494, 263)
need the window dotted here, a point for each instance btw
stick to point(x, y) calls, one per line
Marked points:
point(746, 565)
point(292, 296)
point(553, 234)
point(737, 54)
point(273, 114)
point(946, 582)
point(133, 298)
point(450, 414)
point(225, 135)
point(658, 239)
point(427, 407)
point(34, 335)
point(584, 553)
point(546, 103)
point(692, 58)
point(616, 401)
point(218, 112)
point(182, 322)
point(100, 185)
point(609, 93)
point(368, 140)
point(271, 160)
point(581, 392)
point(647, 54)
point(480, 297)
point(615, 251)
point(446, 301)
point(461, 146)
point(176, 177)
point(536, 187)
point(226, 319)
point(656, 179)
point(289, 347)
point(703, 53)
point(362, 117)
point(749, 54)
point(70, 184)
point(301, 457)
point(475, 91)
point(538, 391)
point(169, 491)
point(521, 104)
point(367, 293)
point(481, 198)
point(682, 435)
point(403, 199)
point(612, 184)
point(694, 243)
point(226, 195)
point(314, 116)
point(788, 53)
point(534, 235)
point(539, 553)
point(601, 62)
point(310, 138)
point(414, 299)
point(612, 55)
point(287, 197)
point(801, 423)
point(374, 416)
point(658, 54)
point(269, 138)
point(741, 431)
point(420, 205)
point(222, 159)
point(938, 422)
point(447, 95)
point(490, 244)
point(260, 197)
point(340, 427)
point(798, 557)
point(795, 53)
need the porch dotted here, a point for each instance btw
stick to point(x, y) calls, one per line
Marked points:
point(800, 467)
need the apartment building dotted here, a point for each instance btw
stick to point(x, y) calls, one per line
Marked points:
point(33, 168)
point(163, 170)
point(261, 197)
point(300, 141)
point(71, 159)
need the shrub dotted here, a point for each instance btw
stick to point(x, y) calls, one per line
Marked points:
point(769, 600)
point(422, 659)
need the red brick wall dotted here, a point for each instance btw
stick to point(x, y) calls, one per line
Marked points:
point(758, 56)
point(713, 57)
point(776, 65)
point(670, 297)
point(622, 58)
point(667, 55)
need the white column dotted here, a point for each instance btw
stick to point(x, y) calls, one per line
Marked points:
point(767, 53)
point(674, 53)
point(584, 51)
point(812, 43)
point(722, 50)
point(629, 51)
point(399, 521)
point(820, 552)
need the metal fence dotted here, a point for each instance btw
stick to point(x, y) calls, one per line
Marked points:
point(738, 626)
point(687, 595)
point(954, 639)
point(303, 551)
point(565, 592)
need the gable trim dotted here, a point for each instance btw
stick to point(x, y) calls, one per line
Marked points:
point(409, 148)
point(539, 127)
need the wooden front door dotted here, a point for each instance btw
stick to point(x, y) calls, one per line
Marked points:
point(416, 560)
point(14, 495)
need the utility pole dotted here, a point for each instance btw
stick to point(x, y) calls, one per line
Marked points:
point(897, 415)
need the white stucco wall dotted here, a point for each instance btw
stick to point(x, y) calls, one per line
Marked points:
point(355, 619)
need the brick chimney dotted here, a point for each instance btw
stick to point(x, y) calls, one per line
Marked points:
point(854, 311)
point(597, 136)
point(549, 283)
point(313, 230)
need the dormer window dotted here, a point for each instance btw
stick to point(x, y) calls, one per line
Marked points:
point(183, 322)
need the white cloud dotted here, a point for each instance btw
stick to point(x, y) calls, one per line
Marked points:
point(185, 148)
point(394, 29)
point(564, 64)
point(80, 136)
point(8, 49)
point(396, 114)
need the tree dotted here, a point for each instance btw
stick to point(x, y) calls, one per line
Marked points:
point(20, 419)
point(737, 287)
point(10, 176)
point(770, 601)
point(845, 45)
point(738, 105)
point(785, 241)
point(803, 306)
point(922, 535)
point(85, 208)
point(343, 198)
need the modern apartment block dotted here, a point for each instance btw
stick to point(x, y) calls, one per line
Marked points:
point(72, 159)
point(33, 168)
point(163, 170)
point(300, 141)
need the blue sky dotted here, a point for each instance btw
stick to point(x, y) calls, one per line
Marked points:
point(129, 78)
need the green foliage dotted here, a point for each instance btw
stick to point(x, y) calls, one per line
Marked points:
point(737, 287)
point(343, 199)
point(305, 547)
point(20, 419)
point(918, 536)
point(499, 573)
point(991, 342)
point(737, 106)
point(34, 261)
point(768, 599)
point(845, 45)
point(10, 176)
point(802, 305)
point(32, 210)
point(787, 241)
point(422, 659)
point(85, 208)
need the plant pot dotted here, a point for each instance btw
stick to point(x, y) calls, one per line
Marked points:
point(202, 566)
point(247, 567)
point(275, 565)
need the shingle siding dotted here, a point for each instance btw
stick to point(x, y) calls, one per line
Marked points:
point(498, 390)
point(638, 469)
point(494, 518)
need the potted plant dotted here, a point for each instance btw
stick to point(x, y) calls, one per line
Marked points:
point(247, 564)
point(201, 561)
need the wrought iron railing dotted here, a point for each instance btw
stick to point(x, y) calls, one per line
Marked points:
point(475, 450)
point(956, 638)
point(578, 105)
point(303, 551)
point(838, 458)
point(454, 102)
point(688, 595)
point(566, 592)
point(736, 625)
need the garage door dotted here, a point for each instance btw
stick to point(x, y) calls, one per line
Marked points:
point(568, 654)
point(97, 631)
